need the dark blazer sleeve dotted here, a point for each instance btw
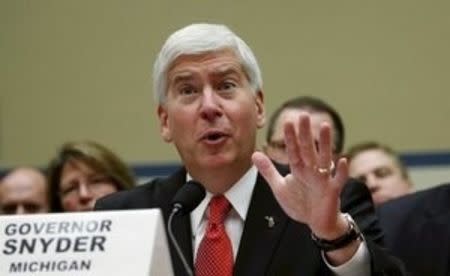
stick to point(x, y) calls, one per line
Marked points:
point(357, 201)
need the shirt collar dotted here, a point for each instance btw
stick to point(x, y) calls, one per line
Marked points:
point(238, 195)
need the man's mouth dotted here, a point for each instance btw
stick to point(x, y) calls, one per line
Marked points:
point(213, 136)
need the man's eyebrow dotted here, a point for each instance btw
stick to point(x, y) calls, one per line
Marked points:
point(180, 77)
point(225, 70)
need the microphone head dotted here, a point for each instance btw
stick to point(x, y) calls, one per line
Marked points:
point(188, 197)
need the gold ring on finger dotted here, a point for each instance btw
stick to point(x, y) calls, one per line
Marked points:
point(328, 170)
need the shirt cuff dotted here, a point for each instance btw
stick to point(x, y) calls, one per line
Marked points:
point(358, 265)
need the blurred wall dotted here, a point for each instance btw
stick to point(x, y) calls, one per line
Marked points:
point(82, 69)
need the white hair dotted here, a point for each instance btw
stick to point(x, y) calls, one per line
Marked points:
point(197, 39)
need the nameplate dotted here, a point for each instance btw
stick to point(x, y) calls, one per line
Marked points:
point(106, 243)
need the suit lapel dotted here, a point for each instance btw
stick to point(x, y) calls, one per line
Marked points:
point(262, 230)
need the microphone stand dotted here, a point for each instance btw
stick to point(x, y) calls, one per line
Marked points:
point(175, 243)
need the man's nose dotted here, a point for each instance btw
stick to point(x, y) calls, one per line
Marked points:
point(210, 107)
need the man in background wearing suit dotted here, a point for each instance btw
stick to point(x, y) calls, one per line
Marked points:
point(417, 228)
point(255, 220)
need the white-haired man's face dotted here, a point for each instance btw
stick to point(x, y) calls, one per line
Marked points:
point(211, 113)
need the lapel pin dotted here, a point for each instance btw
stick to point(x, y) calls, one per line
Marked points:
point(270, 221)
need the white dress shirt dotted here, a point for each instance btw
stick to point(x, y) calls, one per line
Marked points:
point(239, 196)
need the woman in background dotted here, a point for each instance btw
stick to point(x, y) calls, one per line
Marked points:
point(82, 172)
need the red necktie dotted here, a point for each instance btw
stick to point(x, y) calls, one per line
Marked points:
point(215, 255)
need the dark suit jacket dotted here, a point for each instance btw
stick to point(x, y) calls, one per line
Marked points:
point(286, 249)
point(417, 228)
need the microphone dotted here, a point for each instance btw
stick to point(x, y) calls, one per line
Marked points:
point(188, 197)
point(185, 200)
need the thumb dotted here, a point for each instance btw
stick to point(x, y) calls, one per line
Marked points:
point(266, 169)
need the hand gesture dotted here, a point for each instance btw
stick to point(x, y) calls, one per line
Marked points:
point(311, 192)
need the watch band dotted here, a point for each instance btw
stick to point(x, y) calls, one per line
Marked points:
point(353, 233)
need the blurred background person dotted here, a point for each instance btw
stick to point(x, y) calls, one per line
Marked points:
point(380, 167)
point(289, 111)
point(24, 190)
point(82, 172)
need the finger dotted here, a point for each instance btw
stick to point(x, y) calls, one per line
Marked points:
point(325, 155)
point(267, 169)
point(341, 175)
point(292, 148)
point(306, 140)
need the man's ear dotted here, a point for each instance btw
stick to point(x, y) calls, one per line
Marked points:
point(260, 109)
point(164, 124)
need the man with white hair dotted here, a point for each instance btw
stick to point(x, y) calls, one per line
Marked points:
point(257, 218)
